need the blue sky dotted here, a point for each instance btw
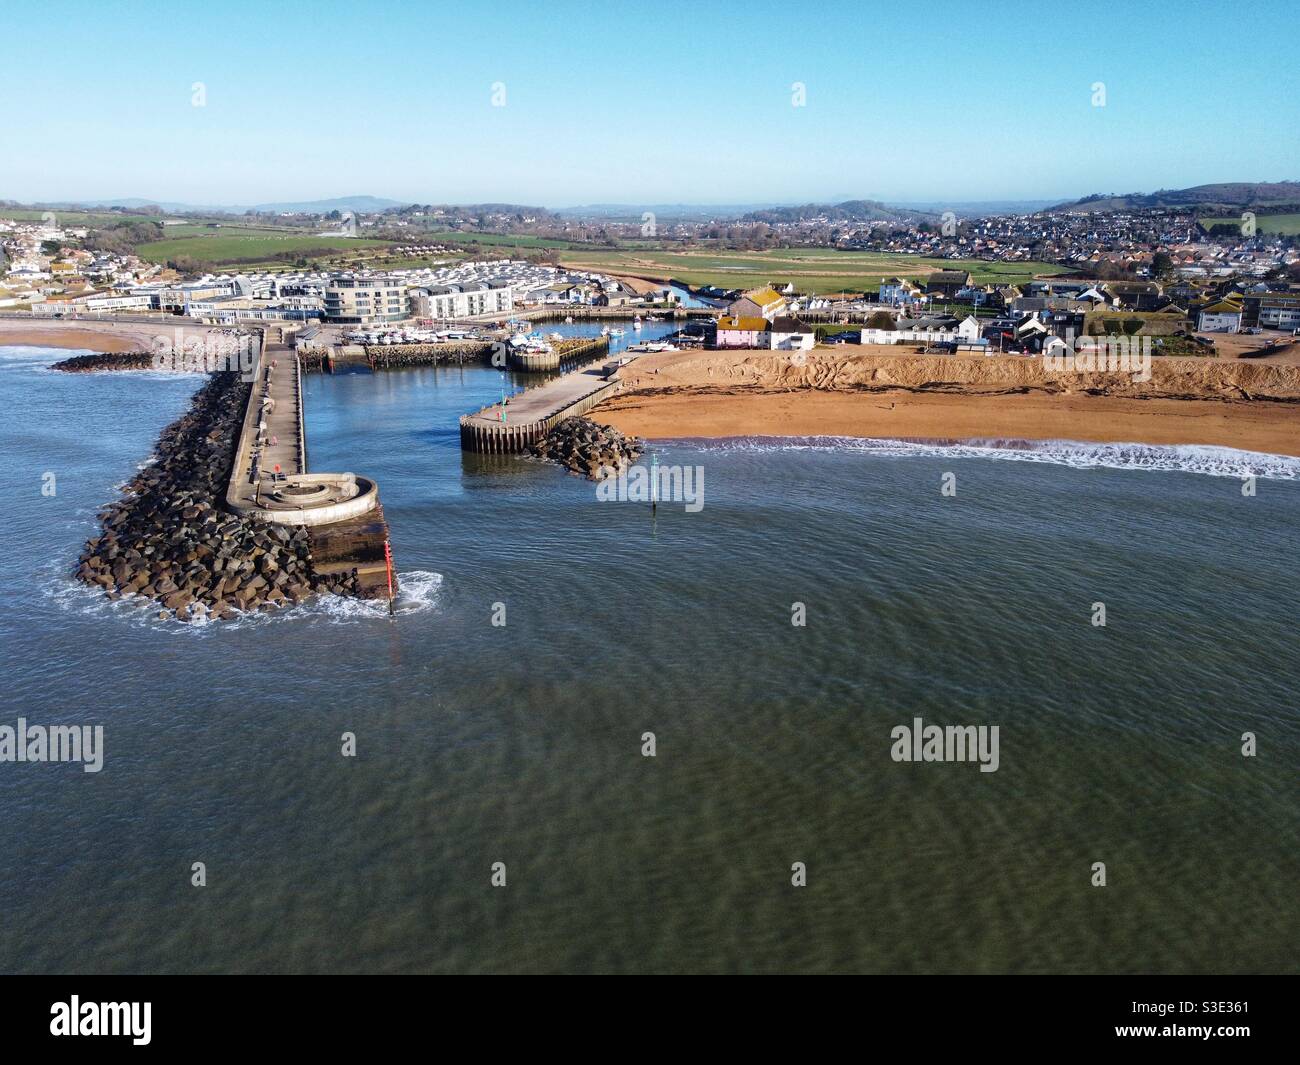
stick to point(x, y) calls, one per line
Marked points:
point(634, 102)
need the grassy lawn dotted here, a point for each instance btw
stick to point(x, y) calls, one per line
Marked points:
point(1287, 225)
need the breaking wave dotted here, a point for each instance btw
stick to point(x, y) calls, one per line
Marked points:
point(1178, 458)
point(417, 593)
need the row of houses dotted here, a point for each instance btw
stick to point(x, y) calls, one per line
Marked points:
point(759, 319)
point(931, 330)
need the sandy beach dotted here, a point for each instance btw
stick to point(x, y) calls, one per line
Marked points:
point(873, 392)
point(88, 336)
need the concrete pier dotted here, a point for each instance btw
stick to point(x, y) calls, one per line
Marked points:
point(269, 480)
point(528, 417)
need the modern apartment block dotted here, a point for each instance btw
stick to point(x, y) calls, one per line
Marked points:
point(463, 301)
point(364, 300)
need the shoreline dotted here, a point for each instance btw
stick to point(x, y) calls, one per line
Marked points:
point(97, 337)
point(724, 395)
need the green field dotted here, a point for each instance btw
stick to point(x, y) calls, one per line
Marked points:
point(495, 240)
point(75, 218)
point(808, 269)
point(252, 244)
point(1286, 225)
point(227, 228)
point(525, 242)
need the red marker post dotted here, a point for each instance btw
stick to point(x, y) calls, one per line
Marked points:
point(388, 561)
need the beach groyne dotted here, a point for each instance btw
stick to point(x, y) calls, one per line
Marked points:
point(105, 360)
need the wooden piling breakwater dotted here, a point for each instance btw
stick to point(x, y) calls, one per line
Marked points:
point(453, 353)
point(534, 361)
point(564, 354)
point(314, 360)
point(581, 349)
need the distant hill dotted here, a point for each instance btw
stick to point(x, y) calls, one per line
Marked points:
point(359, 204)
point(1230, 195)
point(469, 210)
point(848, 211)
point(663, 212)
point(975, 208)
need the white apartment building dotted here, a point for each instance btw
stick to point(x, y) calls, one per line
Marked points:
point(463, 301)
point(365, 300)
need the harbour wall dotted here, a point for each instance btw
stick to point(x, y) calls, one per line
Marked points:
point(481, 434)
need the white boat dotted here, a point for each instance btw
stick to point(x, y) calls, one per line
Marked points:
point(529, 342)
point(615, 332)
point(554, 336)
point(568, 319)
point(636, 322)
point(605, 331)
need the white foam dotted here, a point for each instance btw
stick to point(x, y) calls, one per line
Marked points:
point(417, 594)
point(28, 357)
point(1080, 454)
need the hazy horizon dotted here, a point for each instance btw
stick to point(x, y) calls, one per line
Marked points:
point(171, 201)
point(555, 108)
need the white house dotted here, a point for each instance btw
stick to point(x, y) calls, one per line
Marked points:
point(1221, 317)
point(790, 334)
point(896, 290)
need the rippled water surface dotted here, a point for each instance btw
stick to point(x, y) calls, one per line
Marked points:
point(522, 743)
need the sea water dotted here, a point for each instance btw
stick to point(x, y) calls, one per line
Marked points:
point(826, 593)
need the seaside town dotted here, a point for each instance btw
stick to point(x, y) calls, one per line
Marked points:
point(750, 490)
point(1163, 274)
point(1131, 283)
